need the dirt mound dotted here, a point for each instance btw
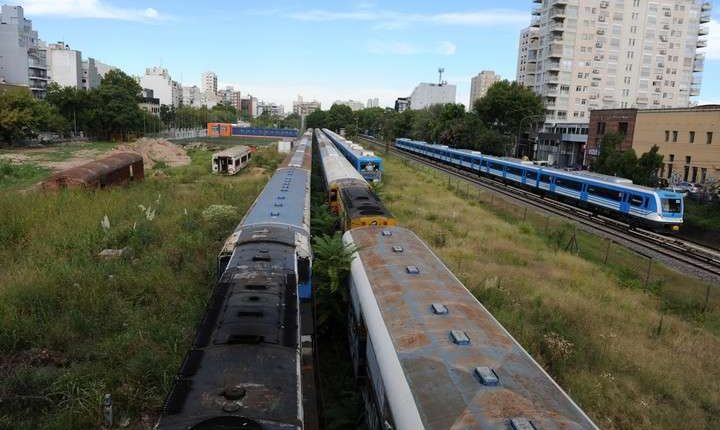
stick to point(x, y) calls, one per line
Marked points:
point(157, 150)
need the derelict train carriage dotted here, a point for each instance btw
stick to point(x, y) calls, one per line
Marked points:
point(243, 370)
point(617, 197)
point(431, 356)
point(349, 194)
point(366, 162)
point(232, 160)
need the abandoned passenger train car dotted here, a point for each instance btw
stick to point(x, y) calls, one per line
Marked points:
point(366, 162)
point(349, 194)
point(432, 355)
point(243, 370)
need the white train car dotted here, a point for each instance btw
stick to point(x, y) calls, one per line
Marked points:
point(432, 356)
point(231, 161)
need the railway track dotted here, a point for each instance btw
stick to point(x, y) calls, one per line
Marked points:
point(686, 253)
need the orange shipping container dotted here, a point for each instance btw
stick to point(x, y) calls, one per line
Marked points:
point(219, 129)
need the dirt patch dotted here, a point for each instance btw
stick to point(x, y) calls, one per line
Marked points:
point(14, 157)
point(157, 150)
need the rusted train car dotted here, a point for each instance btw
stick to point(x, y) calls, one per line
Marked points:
point(117, 169)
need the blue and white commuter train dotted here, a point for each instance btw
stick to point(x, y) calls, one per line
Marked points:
point(366, 162)
point(618, 197)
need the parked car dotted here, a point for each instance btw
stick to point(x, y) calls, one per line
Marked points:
point(686, 187)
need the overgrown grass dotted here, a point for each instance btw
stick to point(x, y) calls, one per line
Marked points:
point(20, 175)
point(74, 326)
point(632, 355)
point(702, 222)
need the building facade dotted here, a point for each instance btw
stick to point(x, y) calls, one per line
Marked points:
point(208, 82)
point(425, 95)
point(248, 106)
point(688, 138)
point(149, 103)
point(480, 84)
point(64, 65)
point(302, 107)
point(272, 109)
point(192, 96)
point(23, 58)
point(373, 102)
point(164, 88)
point(608, 54)
point(402, 104)
point(352, 104)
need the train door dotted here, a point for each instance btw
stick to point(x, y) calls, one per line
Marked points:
point(625, 203)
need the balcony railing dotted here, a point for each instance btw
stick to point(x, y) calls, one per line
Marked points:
point(704, 18)
point(702, 43)
point(703, 31)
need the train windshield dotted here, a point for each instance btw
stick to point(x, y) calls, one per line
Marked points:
point(672, 205)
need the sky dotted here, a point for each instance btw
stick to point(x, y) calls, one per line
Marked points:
point(320, 49)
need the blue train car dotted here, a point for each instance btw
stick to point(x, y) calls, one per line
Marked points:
point(244, 367)
point(367, 163)
point(264, 132)
point(618, 197)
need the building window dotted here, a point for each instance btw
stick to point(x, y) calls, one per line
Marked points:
point(694, 174)
point(709, 137)
point(688, 159)
point(692, 137)
point(703, 174)
point(675, 134)
point(686, 173)
point(667, 135)
point(669, 172)
point(623, 128)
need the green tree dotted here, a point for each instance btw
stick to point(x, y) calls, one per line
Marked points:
point(613, 161)
point(72, 103)
point(331, 265)
point(115, 109)
point(339, 116)
point(317, 119)
point(17, 119)
point(509, 107)
point(648, 166)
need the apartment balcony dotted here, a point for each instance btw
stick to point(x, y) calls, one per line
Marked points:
point(555, 50)
point(535, 22)
point(559, 27)
point(35, 64)
point(698, 66)
point(703, 31)
point(558, 3)
point(705, 17)
point(694, 91)
point(552, 66)
point(552, 79)
point(706, 7)
point(557, 14)
point(537, 1)
point(702, 43)
point(537, 11)
point(530, 68)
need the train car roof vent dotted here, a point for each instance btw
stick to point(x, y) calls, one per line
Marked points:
point(274, 214)
point(281, 197)
point(278, 204)
point(459, 337)
point(521, 423)
point(386, 233)
point(439, 309)
point(487, 376)
point(398, 248)
point(413, 270)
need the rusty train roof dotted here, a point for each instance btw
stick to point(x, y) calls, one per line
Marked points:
point(92, 170)
point(407, 284)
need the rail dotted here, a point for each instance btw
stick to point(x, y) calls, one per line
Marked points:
point(688, 253)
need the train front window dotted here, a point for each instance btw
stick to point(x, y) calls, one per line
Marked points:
point(672, 205)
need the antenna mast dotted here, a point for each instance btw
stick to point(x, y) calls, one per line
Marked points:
point(441, 70)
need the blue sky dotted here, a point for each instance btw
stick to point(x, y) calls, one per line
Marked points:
point(327, 50)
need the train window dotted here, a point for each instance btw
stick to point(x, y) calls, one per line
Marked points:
point(566, 183)
point(606, 193)
point(636, 200)
point(545, 178)
point(672, 205)
point(513, 170)
point(483, 163)
point(531, 175)
point(495, 166)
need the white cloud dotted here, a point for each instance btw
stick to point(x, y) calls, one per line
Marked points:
point(712, 52)
point(391, 20)
point(88, 9)
point(381, 47)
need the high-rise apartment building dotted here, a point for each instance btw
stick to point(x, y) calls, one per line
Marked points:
point(480, 84)
point(64, 65)
point(425, 95)
point(22, 55)
point(352, 104)
point(164, 88)
point(301, 107)
point(208, 83)
point(373, 102)
point(587, 54)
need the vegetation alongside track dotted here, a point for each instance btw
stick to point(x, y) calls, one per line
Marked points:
point(74, 326)
point(632, 355)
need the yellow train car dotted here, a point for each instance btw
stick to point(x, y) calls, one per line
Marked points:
point(361, 207)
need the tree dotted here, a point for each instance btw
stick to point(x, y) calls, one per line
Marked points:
point(17, 119)
point(115, 106)
point(317, 119)
point(72, 103)
point(613, 161)
point(339, 116)
point(508, 107)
